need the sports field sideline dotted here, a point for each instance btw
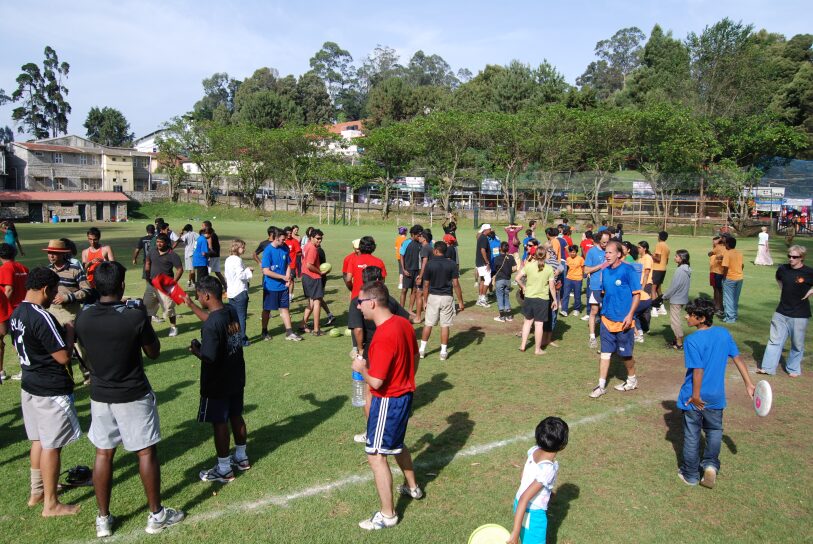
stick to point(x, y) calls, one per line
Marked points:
point(472, 423)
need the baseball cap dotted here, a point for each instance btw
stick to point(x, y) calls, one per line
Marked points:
point(356, 243)
point(484, 227)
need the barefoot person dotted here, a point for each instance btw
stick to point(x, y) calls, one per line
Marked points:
point(44, 348)
point(536, 279)
point(390, 373)
point(95, 253)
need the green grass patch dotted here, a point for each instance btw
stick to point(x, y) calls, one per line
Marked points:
point(618, 474)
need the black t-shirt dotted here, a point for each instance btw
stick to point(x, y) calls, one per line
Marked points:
point(214, 250)
point(795, 284)
point(144, 244)
point(426, 252)
point(355, 320)
point(164, 264)
point(222, 367)
point(451, 253)
point(261, 247)
point(322, 256)
point(36, 336)
point(412, 256)
point(503, 266)
point(482, 243)
point(112, 335)
point(440, 272)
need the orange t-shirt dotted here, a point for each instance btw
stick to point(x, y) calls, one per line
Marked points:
point(663, 250)
point(398, 241)
point(733, 260)
point(575, 268)
point(715, 264)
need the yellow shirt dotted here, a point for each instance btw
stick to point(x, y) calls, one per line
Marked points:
point(715, 264)
point(733, 260)
point(537, 281)
point(575, 268)
point(663, 250)
point(647, 263)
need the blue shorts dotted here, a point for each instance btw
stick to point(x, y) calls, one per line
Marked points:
point(387, 424)
point(220, 410)
point(718, 281)
point(274, 300)
point(534, 529)
point(593, 296)
point(617, 342)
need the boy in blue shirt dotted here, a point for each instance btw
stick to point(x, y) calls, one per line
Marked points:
point(702, 396)
point(276, 263)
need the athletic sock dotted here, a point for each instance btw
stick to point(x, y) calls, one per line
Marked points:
point(602, 383)
point(240, 452)
point(159, 515)
point(632, 378)
point(423, 345)
point(36, 482)
point(592, 336)
point(443, 348)
point(289, 331)
point(224, 465)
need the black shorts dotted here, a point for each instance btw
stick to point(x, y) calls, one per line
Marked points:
point(658, 276)
point(537, 309)
point(313, 287)
point(409, 281)
point(220, 410)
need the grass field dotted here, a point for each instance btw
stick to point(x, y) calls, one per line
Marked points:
point(473, 418)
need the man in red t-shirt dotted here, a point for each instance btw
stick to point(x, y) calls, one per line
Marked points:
point(588, 243)
point(294, 252)
point(364, 259)
point(347, 265)
point(390, 373)
point(12, 281)
point(312, 284)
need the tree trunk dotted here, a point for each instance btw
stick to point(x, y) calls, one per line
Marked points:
point(385, 202)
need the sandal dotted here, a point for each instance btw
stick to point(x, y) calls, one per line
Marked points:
point(317, 333)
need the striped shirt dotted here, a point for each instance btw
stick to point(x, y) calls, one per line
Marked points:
point(73, 283)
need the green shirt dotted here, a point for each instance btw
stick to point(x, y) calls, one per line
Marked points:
point(536, 281)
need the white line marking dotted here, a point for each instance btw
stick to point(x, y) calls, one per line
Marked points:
point(285, 500)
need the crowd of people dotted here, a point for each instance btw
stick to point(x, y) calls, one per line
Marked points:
point(74, 310)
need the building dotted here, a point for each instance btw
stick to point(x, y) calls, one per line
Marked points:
point(42, 206)
point(147, 143)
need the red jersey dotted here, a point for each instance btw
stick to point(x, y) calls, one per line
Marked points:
point(14, 274)
point(361, 262)
point(392, 357)
point(94, 258)
point(311, 256)
point(294, 249)
point(5, 308)
point(347, 264)
point(568, 239)
point(586, 245)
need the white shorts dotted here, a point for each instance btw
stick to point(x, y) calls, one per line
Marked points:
point(485, 273)
point(134, 424)
point(214, 265)
point(187, 263)
point(50, 420)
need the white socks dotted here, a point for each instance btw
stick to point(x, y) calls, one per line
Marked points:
point(423, 345)
point(240, 452)
point(224, 465)
point(602, 383)
point(443, 348)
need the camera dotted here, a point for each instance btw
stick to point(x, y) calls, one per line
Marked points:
point(135, 303)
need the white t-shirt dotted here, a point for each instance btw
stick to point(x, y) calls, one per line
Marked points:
point(544, 473)
point(189, 239)
point(237, 276)
point(762, 239)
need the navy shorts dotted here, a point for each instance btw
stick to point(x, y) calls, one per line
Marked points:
point(274, 300)
point(387, 424)
point(409, 281)
point(617, 342)
point(220, 410)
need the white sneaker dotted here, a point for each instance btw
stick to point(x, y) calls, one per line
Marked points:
point(406, 491)
point(654, 312)
point(173, 331)
point(663, 310)
point(104, 526)
point(156, 319)
point(597, 392)
point(378, 521)
point(576, 313)
point(563, 313)
point(628, 385)
point(444, 355)
point(360, 438)
point(639, 338)
point(593, 343)
point(422, 354)
point(586, 317)
point(157, 524)
point(17, 377)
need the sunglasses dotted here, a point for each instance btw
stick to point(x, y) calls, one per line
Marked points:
point(794, 256)
point(359, 301)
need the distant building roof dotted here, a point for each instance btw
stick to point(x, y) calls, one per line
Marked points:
point(348, 125)
point(33, 146)
point(62, 196)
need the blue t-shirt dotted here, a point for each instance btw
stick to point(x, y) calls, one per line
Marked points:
point(494, 249)
point(277, 259)
point(9, 238)
point(602, 228)
point(404, 245)
point(594, 258)
point(199, 257)
point(619, 284)
point(525, 246)
point(708, 349)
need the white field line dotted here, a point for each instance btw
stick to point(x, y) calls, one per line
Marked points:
point(285, 500)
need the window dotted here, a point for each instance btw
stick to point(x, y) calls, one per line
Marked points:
point(58, 158)
point(66, 204)
point(38, 154)
point(83, 159)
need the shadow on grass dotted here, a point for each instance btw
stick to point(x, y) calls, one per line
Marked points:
point(427, 392)
point(673, 417)
point(440, 451)
point(559, 508)
point(466, 337)
point(758, 350)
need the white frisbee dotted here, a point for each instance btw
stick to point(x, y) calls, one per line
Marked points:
point(490, 533)
point(763, 398)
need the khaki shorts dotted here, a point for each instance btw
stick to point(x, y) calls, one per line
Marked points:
point(50, 420)
point(440, 308)
point(64, 314)
point(153, 298)
point(134, 424)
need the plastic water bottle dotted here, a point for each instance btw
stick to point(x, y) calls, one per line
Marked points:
point(358, 389)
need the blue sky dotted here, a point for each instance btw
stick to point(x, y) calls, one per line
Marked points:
point(147, 58)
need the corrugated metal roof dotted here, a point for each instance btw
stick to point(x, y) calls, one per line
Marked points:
point(62, 196)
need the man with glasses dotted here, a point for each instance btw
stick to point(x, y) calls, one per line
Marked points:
point(312, 284)
point(795, 279)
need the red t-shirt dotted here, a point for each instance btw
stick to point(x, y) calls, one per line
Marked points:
point(361, 262)
point(392, 357)
point(347, 264)
point(311, 255)
point(294, 249)
point(568, 239)
point(5, 307)
point(586, 245)
point(14, 274)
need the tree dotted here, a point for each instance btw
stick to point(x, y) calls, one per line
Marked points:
point(388, 153)
point(248, 149)
point(381, 64)
point(267, 109)
point(332, 65)
point(219, 92)
point(44, 110)
point(514, 87)
point(430, 70)
point(194, 138)
point(664, 73)
point(618, 57)
point(507, 142)
point(171, 155)
point(108, 126)
point(314, 100)
point(389, 102)
point(736, 184)
point(6, 135)
point(793, 104)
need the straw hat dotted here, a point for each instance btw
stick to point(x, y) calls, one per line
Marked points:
point(57, 246)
